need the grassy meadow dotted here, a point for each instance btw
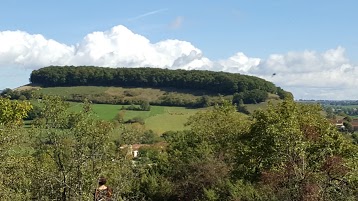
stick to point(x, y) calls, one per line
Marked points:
point(158, 119)
point(125, 93)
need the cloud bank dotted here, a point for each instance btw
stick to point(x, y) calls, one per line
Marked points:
point(308, 74)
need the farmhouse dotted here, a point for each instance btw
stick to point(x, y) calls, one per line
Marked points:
point(338, 123)
point(340, 126)
point(132, 150)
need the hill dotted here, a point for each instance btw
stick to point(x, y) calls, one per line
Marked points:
point(250, 89)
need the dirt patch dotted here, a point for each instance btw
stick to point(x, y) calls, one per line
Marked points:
point(27, 87)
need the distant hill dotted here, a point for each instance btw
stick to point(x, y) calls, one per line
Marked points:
point(194, 88)
point(212, 82)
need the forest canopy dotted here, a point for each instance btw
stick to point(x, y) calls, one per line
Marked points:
point(214, 82)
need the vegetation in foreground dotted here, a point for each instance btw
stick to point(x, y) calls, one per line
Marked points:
point(287, 152)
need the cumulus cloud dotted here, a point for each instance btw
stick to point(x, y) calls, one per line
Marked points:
point(121, 47)
point(31, 51)
point(308, 74)
point(239, 63)
point(303, 62)
point(116, 47)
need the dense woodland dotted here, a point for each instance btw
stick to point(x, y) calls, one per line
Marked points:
point(286, 152)
point(212, 82)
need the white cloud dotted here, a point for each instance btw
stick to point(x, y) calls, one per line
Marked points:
point(115, 48)
point(31, 51)
point(327, 75)
point(121, 47)
point(303, 62)
point(308, 74)
point(239, 63)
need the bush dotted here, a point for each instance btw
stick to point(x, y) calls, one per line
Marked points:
point(34, 113)
point(149, 137)
point(145, 106)
point(250, 97)
point(139, 120)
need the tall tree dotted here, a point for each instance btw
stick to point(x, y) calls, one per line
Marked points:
point(15, 162)
point(297, 154)
point(70, 151)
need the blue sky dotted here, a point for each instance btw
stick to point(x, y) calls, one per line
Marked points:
point(310, 45)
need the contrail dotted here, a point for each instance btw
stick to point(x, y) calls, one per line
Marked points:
point(147, 14)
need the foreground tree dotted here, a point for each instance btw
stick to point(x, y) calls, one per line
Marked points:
point(15, 162)
point(70, 151)
point(297, 155)
point(201, 159)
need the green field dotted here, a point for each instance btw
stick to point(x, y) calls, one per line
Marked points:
point(68, 91)
point(252, 107)
point(158, 119)
point(125, 93)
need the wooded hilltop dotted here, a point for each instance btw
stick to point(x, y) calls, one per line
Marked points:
point(213, 82)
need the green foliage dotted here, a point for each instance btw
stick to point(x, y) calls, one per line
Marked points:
point(348, 127)
point(15, 163)
point(155, 186)
point(200, 159)
point(139, 120)
point(12, 113)
point(203, 101)
point(355, 137)
point(284, 94)
point(250, 97)
point(17, 94)
point(145, 106)
point(219, 126)
point(34, 113)
point(158, 119)
point(291, 143)
point(242, 108)
point(149, 137)
point(217, 82)
point(287, 152)
point(70, 150)
point(119, 118)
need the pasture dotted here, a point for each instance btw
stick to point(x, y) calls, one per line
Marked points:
point(158, 119)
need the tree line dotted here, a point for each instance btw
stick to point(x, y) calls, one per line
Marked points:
point(287, 152)
point(213, 82)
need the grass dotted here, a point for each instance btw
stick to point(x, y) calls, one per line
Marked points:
point(173, 119)
point(349, 106)
point(68, 91)
point(159, 119)
point(252, 107)
point(101, 111)
point(125, 93)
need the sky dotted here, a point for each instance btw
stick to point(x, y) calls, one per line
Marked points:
point(306, 47)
